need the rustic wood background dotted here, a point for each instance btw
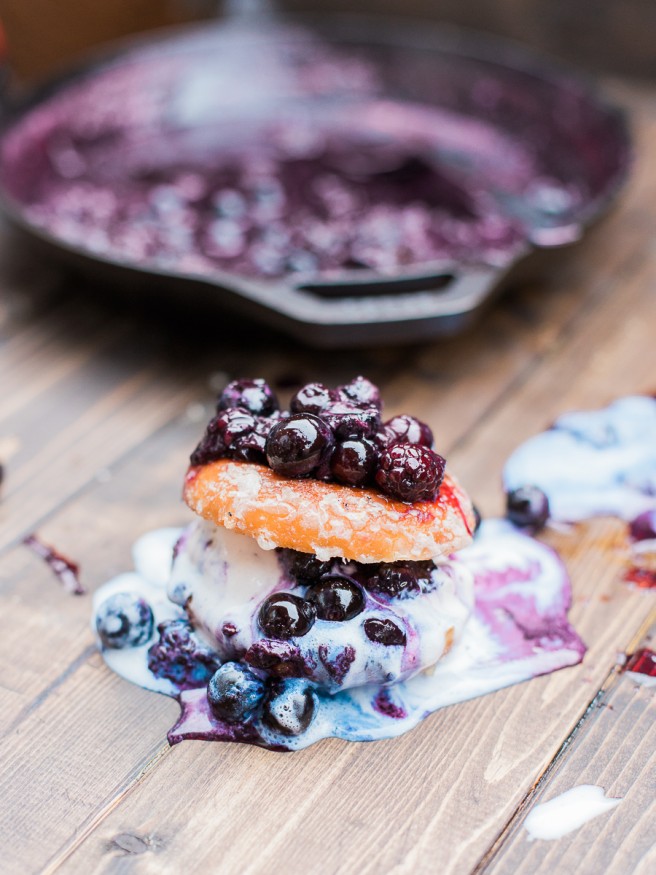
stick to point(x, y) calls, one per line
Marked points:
point(99, 409)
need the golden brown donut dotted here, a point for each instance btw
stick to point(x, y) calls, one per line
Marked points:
point(328, 519)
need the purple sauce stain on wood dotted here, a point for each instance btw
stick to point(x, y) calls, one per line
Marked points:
point(65, 570)
point(643, 661)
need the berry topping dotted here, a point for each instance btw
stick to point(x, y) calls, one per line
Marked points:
point(384, 632)
point(643, 527)
point(337, 598)
point(290, 707)
point(255, 396)
point(277, 658)
point(361, 392)
point(181, 657)
point(312, 398)
point(478, 519)
point(410, 472)
point(285, 616)
point(527, 507)
point(305, 567)
point(350, 421)
point(353, 461)
point(124, 620)
point(406, 429)
point(223, 434)
point(401, 579)
point(296, 446)
point(234, 692)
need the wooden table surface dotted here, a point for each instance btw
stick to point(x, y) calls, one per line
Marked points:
point(98, 412)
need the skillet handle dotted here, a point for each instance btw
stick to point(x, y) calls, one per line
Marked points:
point(385, 317)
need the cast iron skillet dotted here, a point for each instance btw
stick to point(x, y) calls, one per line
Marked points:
point(569, 147)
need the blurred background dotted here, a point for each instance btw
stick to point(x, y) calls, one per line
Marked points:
point(614, 36)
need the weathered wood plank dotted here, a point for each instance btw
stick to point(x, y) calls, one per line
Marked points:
point(615, 749)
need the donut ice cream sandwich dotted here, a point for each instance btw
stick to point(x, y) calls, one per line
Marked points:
point(319, 559)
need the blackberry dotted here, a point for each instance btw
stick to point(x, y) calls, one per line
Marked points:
point(410, 472)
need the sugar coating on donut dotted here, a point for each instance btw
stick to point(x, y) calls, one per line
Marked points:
point(328, 519)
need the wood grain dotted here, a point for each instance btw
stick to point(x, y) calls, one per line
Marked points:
point(86, 390)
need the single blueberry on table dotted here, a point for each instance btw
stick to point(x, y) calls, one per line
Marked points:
point(285, 616)
point(234, 693)
point(384, 632)
point(353, 461)
point(289, 707)
point(410, 472)
point(336, 598)
point(527, 507)
point(124, 620)
point(296, 446)
point(255, 396)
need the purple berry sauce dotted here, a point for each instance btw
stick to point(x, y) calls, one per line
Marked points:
point(65, 570)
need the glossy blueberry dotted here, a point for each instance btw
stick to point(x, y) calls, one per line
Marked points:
point(181, 657)
point(406, 429)
point(401, 579)
point(347, 420)
point(527, 507)
point(289, 708)
point(337, 598)
point(124, 620)
point(384, 632)
point(362, 392)
point(234, 692)
point(409, 472)
point(255, 396)
point(222, 434)
point(296, 446)
point(285, 616)
point(305, 568)
point(353, 461)
point(312, 398)
point(643, 527)
point(251, 446)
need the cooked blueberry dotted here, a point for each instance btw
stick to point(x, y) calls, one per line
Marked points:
point(312, 398)
point(234, 692)
point(222, 434)
point(305, 567)
point(251, 447)
point(181, 657)
point(255, 396)
point(124, 620)
point(277, 658)
point(353, 461)
point(347, 420)
point(284, 615)
point(410, 472)
point(362, 392)
point(643, 527)
point(401, 579)
point(296, 446)
point(527, 507)
point(384, 632)
point(406, 429)
point(478, 519)
point(336, 598)
point(289, 708)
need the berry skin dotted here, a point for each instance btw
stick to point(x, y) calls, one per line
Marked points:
point(410, 473)
point(347, 420)
point(124, 620)
point(312, 398)
point(336, 598)
point(181, 657)
point(384, 632)
point(643, 527)
point(362, 392)
point(223, 434)
point(297, 446)
point(285, 616)
point(527, 507)
point(255, 396)
point(401, 579)
point(406, 429)
point(305, 568)
point(353, 461)
point(234, 692)
point(289, 708)
point(478, 519)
